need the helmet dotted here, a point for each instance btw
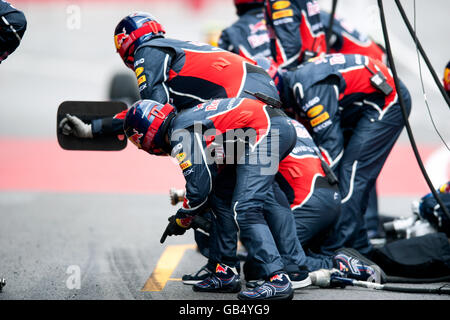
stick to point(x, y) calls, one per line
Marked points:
point(238, 2)
point(272, 69)
point(132, 31)
point(242, 6)
point(146, 123)
point(447, 78)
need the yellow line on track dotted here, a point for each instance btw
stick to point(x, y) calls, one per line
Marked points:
point(168, 261)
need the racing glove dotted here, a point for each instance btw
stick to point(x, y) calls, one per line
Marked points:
point(173, 228)
point(183, 219)
point(72, 125)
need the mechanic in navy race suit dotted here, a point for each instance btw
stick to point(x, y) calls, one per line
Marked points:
point(12, 28)
point(339, 93)
point(206, 138)
point(183, 73)
point(247, 36)
point(346, 39)
point(295, 30)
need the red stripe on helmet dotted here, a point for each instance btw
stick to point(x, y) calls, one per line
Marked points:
point(160, 116)
point(148, 27)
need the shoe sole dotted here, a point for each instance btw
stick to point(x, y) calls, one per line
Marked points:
point(276, 297)
point(191, 282)
point(355, 253)
point(221, 290)
point(301, 284)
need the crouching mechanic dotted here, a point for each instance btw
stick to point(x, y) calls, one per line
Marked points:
point(351, 105)
point(12, 28)
point(263, 136)
point(311, 189)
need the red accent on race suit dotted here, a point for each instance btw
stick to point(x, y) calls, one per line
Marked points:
point(351, 47)
point(247, 114)
point(299, 174)
point(225, 69)
point(358, 81)
point(309, 42)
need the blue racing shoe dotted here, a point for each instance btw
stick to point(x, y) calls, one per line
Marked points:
point(355, 266)
point(278, 287)
point(298, 279)
point(225, 279)
point(198, 276)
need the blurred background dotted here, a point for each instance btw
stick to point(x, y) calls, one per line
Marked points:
point(96, 209)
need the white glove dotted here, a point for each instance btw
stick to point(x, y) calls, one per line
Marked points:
point(72, 125)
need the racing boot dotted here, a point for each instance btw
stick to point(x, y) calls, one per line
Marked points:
point(354, 265)
point(298, 280)
point(278, 287)
point(225, 279)
point(198, 276)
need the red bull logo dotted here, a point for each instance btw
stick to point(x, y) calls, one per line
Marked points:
point(278, 277)
point(119, 38)
point(221, 269)
point(260, 26)
point(136, 138)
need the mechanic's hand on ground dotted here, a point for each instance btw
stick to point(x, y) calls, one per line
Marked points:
point(72, 125)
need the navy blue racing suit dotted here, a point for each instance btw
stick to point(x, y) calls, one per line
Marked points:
point(295, 30)
point(248, 36)
point(12, 28)
point(313, 197)
point(335, 95)
point(186, 73)
point(301, 184)
point(346, 39)
point(252, 138)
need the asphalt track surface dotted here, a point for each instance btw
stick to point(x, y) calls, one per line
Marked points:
point(98, 217)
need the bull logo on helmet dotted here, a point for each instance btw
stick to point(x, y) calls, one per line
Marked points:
point(119, 39)
point(136, 138)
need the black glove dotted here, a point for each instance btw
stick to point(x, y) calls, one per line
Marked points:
point(172, 229)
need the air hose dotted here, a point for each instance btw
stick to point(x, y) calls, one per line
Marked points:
point(333, 278)
point(405, 114)
point(422, 52)
point(337, 281)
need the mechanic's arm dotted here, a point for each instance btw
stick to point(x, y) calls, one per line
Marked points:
point(152, 71)
point(12, 28)
point(324, 119)
point(72, 125)
point(189, 148)
point(283, 24)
